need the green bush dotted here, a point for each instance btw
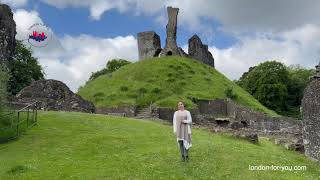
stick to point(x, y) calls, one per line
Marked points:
point(112, 66)
point(230, 93)
point(124, 88)
point(156, 90)
point(142, 91)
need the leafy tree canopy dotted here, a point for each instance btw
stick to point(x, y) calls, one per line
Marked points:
point(111, 66)
point(23, 69)
point(278, 87)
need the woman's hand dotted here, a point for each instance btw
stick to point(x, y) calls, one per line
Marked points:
point(185, 121)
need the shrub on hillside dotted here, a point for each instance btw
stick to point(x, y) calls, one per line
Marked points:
point(111, 66)
point(230, 93)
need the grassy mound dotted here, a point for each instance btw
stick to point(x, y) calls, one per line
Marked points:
point(165, 81)
point(83, 146)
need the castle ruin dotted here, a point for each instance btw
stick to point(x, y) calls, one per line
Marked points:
point(7, 33)
point(311, 117)
point(149, 43)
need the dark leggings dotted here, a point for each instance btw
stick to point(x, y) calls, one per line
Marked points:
point(183, 150)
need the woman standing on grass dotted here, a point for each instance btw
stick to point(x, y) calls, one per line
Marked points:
point(182, 129)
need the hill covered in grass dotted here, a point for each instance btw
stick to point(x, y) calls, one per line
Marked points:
point(68, 145)
point(165, 81)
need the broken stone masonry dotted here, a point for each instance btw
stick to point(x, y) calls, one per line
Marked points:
point(7, 33)
point(149, 44)
point(311, 117)
point(53, 95)
point(200, 51)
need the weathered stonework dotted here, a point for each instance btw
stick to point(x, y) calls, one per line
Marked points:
point(7, 33)
point(149, 44)
point(200, 51)
point(127, 111)
point(236, 116)
point(54, 95)
point(311, 117)
point(171, 47)
point(223, 115)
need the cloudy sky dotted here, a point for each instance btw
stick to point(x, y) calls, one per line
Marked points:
point(240, 33)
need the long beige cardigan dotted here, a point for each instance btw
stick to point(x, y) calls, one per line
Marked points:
point(182, 126)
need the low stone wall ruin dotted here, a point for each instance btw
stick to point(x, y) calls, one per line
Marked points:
point(237, 116)
point(128, 111)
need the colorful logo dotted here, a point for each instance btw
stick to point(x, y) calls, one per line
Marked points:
point(39, 35)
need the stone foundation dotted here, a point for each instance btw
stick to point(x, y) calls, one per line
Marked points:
point(129, 111)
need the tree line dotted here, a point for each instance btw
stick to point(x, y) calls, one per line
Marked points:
point(277, 86)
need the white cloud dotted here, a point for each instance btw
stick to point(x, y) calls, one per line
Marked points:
point(83, 55)
point(233, 14)
point(297, 46)
point(71, 59)
point(14, 3)
point(24, 19)
point(96, 7)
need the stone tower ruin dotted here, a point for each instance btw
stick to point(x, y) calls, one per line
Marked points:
point(311, 117)
point(7, 33)
point(149, 43)
point(200, 51)
point(171, 47)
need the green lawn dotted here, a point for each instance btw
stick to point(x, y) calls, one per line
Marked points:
point(83, 146)
point(165, 81)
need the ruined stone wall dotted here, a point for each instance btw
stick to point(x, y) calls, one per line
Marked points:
point(262, 122)
point(199, 51)
point(217, 107)
point(129, 111)
point(311, 117)
point(7, 33)
point(208, 109)
point(54, 95)
point(253, 119)
point(149, 44)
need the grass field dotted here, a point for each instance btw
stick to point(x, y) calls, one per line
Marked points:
point(165, 81)
point(8, 124)
point(84, 146)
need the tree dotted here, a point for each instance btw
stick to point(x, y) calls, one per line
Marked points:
point(23, 69)
point(299, 79)
point(267, 82)
point(278, 87)
point(111, 66)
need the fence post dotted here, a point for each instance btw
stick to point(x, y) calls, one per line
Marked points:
point(36, 123)
point(28, 119)
point(33, 118)
point(18, 123)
